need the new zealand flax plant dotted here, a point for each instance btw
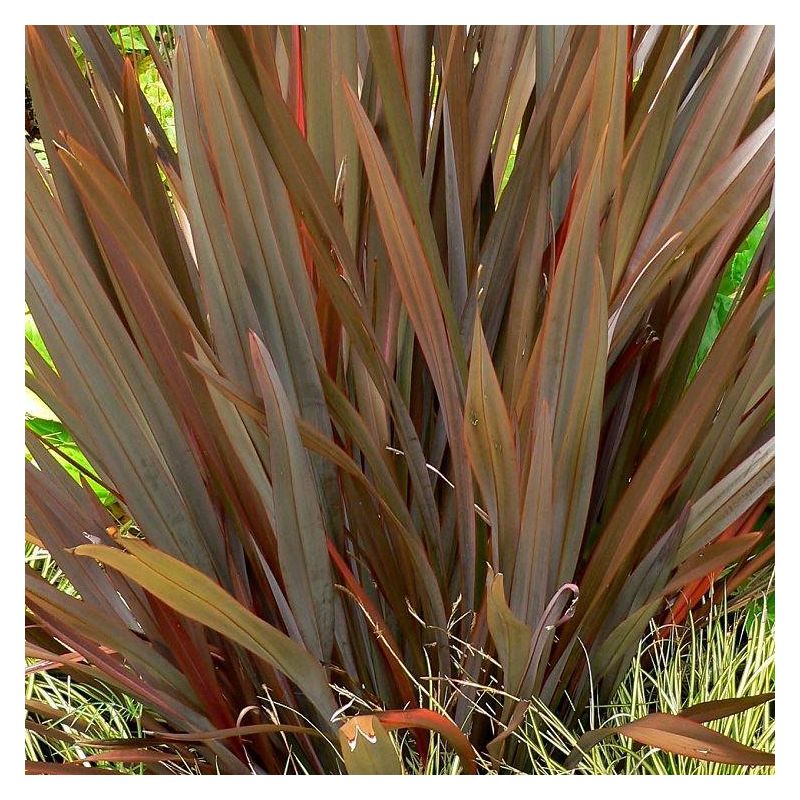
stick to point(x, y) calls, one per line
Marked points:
point(390, 426)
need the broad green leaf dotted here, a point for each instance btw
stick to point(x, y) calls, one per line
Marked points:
point(191, 593)
point(513, 638)
point(367, 749)
point(493, 453)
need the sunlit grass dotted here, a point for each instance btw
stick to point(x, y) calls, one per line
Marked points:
point(721, 658)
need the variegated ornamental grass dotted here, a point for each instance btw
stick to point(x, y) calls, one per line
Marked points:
point(385, 424)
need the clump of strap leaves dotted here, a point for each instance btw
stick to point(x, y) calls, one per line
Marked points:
point(384, 420)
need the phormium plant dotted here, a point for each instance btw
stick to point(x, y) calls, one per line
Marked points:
point(388, 428)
